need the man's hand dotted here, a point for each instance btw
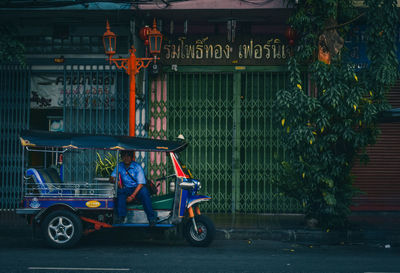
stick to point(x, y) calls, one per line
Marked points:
point(130, 198)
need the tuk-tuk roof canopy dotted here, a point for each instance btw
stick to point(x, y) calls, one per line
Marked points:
point(42, 139)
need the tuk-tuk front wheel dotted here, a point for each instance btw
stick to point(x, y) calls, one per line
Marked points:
point(62, 229)
point(204, 234)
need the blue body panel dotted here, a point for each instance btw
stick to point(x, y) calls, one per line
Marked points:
point(77, 203)
point(183, 202)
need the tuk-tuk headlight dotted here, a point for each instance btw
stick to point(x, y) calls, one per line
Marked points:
point(172, 186)
point(197, 185)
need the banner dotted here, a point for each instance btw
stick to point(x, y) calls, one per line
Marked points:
point(47, 91)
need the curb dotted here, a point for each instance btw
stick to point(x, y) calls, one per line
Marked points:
point(315, 237)
point(301, 236)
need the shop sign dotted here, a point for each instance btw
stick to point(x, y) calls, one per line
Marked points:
point(268, 50)
point(47, 90)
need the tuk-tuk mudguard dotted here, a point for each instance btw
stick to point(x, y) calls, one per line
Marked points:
point(187, 200)
point(194, 199)
point(44, 210)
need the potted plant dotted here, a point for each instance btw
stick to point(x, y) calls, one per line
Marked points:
point(105, 166)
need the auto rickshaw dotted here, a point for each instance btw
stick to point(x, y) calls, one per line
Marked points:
point(65, 209)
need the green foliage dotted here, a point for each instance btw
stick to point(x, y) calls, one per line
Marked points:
point(11, 49)
point(105, 166)
point(326, 132)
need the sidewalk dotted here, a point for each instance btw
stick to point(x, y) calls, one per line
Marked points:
point(365, 228)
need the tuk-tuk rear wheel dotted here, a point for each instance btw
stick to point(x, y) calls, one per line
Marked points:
point(205, 231)
point(62, 229)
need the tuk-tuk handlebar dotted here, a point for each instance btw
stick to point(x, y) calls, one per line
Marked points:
point(166, 177)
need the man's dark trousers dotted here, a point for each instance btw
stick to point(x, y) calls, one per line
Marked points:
point(144, 197)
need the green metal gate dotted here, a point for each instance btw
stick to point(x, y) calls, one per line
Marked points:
point(14, 117)
point(259, 144)
point(201, 107)
point(227, 117)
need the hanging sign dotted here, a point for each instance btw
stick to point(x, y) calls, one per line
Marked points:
point(268, 50)
point(47, 91)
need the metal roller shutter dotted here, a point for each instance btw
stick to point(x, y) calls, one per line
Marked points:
point(379, 180)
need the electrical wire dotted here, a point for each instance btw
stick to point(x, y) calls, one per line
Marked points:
point(64, 3)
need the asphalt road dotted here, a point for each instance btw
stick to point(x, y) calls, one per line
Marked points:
point(117, 251)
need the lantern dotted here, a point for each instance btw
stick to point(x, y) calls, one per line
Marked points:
point(144, 33)
point(323, 52)
point(324, 55)
point(109, 41)
point(290, 35)
point(133, 64)
point(155, 40)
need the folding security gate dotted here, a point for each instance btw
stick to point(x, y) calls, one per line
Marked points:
point(259, 144)
point(201, 107)
point(227, 117)
point(95, 102)
point(14, 117)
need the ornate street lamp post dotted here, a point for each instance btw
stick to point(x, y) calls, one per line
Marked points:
point(132, 64)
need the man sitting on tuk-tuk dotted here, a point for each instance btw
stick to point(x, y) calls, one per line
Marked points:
point(132, 186)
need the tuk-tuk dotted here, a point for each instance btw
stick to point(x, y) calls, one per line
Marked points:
point(64, 210)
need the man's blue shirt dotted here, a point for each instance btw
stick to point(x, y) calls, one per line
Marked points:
point(135, 170)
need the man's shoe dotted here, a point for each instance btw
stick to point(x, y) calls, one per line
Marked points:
point(153, 222)
point(122, 220)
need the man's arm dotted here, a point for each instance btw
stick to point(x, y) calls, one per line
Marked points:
point(131, 197)
point(113, 175)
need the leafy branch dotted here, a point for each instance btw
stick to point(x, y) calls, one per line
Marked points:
point(324, 134)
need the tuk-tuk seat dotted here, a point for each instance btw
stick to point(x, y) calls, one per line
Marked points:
point(159, 202)
point(48, 181)
point(53, 175)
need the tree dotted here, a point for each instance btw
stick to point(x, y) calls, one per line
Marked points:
point(326, 132)
point(11, 49)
